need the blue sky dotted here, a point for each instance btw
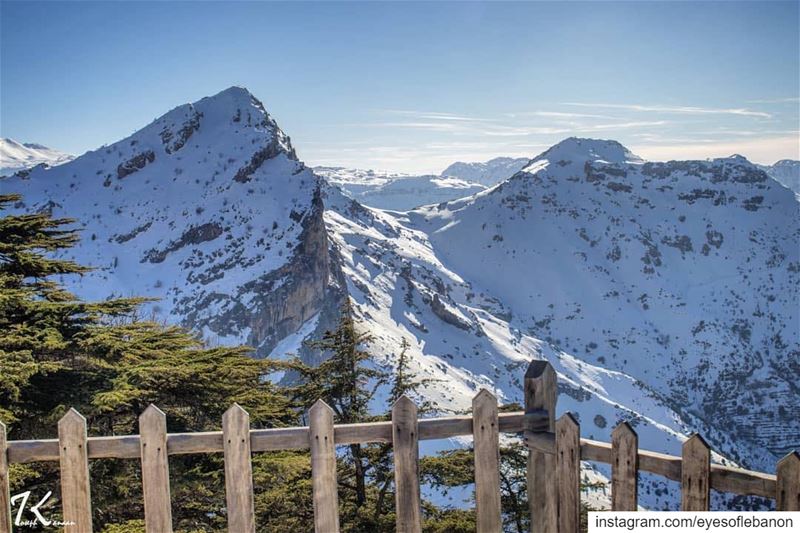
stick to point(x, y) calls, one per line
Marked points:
point(415, 86)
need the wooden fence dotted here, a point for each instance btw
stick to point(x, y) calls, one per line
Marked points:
point(556, 450)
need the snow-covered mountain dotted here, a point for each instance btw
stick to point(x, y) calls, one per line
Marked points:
point(206, 208)
point(487, 173)
point(16, 156)
point(666, 292)
point(786, 171)
point(663, 293)
point(398, 192)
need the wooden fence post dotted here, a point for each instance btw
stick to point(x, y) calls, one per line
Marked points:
point(788, 484)
point(695, 474)
point(323, 468)
point(568, 473)
point(155, 471)
point(541, 393)
point(624, 468)
point(5, 494)
point(76, 501)
point(405, 441)
point(238, 470)
point(486, 442)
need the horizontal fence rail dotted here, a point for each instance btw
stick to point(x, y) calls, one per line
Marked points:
point(556, 450)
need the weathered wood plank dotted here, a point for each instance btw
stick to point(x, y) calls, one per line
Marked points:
point(486, 441)
point(568, 473)
point(745, 482)
point(238, 470)
point(264, 440)
point(323, 468)
point(5, 495)
point(76, 500)
point(405, 441)
point(624, 468)
point(695, 474)
point(541, 394)
point(788, 483)
point(155, 471)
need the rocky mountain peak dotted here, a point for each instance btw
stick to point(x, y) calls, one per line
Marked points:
point(233, 116)
point(206, 209)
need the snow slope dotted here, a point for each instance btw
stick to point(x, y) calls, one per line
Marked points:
point(16, 156)
point(463, 339)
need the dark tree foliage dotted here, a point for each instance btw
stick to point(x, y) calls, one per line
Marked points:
point(58, 352)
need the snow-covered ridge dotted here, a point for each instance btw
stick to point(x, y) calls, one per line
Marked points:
point(16, 156)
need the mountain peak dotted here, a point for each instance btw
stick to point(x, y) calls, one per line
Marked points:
point(16, 156)
point(580, 150)
point(230, 117)
point(236, 95)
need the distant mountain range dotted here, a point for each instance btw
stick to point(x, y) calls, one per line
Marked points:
point(402, 192)
point(16, 156)
point(664, 294)
point(487, 173)
point(382, 189)
point(398, 192)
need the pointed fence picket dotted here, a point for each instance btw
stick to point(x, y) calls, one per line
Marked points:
point(568, 473)
point(556, 450)
point(238, 470)
point(155, 471)
point(405, 441)
point(624, 468)
point(323, 468)
point(76, 500)
point(5, 493)
point(541, 394)
point(787, 493)
point(486, 444)
point(695, 475)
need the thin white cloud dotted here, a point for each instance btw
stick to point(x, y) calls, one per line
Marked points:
point(507, 130)
point(436, 115)
point(622, 125)
point(686, 110)
point(556, 114)
point(789, 100)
